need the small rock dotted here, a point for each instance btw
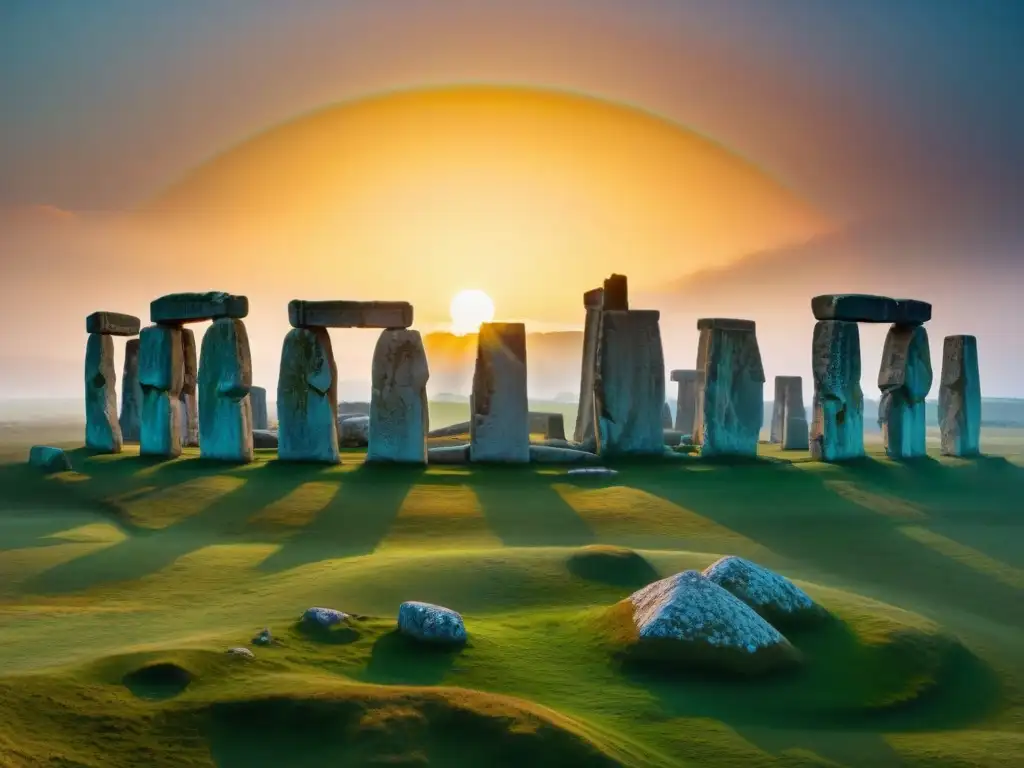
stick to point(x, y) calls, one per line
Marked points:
point(264, 438)
point(354, 431)
point(49, 459)
point(263, 638)
point(243, 653)
point(774, 597)
point(592, 471)
point(324, 617)
point(431, 623)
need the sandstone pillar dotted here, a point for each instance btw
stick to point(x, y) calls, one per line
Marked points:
point(225, 376)
point(686, 400)
point(189, 408)
point(960, 397)
point(102, 430)
point(789, 425)
point(307, 398)
point(905, 378)
point(161, 374)
point(629, 390)
point(131, 394)
point(837, 426)
point(592, 302)
point(258, 396)
point(731, 401)
point(398, 402)
point(499, 427)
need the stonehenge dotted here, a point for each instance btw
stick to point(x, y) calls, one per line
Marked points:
point(499, 427)
point(789, 426)
point(904, 378)
point(131, 394)
point(161, 376)
point(307, 397)
point(225, 375)
point(398, 402)
point(837, 421)
point(102, 423)
point(730, 400)
point(189, 408)
point(258, 398)
point(686, 399)
point(960, 397)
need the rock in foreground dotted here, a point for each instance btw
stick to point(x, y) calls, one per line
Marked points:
point(49, 459)
point(323, 617)
point(775, 598)
point(687, 620)
point(431, 623)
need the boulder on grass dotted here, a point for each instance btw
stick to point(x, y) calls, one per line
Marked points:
point(431, 623)
point(323, 617)
point(775, 598)
point(48, 459)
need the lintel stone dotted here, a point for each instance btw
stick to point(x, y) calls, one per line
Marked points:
point(350, 314)
point(865, 308)
point(180, 308)
point(113, 324)
point(725, 324)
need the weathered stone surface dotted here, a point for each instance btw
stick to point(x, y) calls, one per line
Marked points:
point(863, 308)
point(258, 398)
point(307, 396)
point(789, 417)
point(616, 293)
point(837, 425)
point(48, 459)
point(102, 429)
point(629, 390)
point(354, 431)
point(112, 324)
point(775, 598)
point(725, 324)
point(189, 408)
point(323, 617)
point(905, 378)
point(547, 454)
point(555, 427)
point(265, 438)
point(666, 416)
point(585, 418)
point(499, 424)
point(131, 394)
point(161, 375)
point(960, 397)
point(398, 401)
point(431, 623)
point(350, 314)
point(686, 399)
point(225, 376)
point(690, 619)
point(448, 454)
point(731, 401)
point(179, 308)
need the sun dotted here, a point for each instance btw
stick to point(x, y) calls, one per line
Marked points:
point(469, 309)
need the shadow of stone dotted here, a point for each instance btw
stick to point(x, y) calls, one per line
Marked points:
point(523, 510)
point(340, 634)
point(398, 659)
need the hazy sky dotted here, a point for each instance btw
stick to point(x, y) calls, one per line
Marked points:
point(868, 110)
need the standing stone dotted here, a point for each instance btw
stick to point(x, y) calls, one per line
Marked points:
point(960, 397)
point(731, 403)
point(666, 416)
point(686, 399)
point(789, 417)
point(102, 430)
point(131, 394)
point(398, 400)
point(837, 426)
point(189, 409)
point(499, 428)
point(629, 390)
point(905, 378)
point(225, 376)
point(555, 428)
point(593, 302)
point(307, 397)
point(258, 396)
point(161, 375)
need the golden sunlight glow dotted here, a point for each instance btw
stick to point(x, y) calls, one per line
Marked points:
point(469, 309)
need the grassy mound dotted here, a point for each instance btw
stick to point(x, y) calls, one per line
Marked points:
point(607, 564)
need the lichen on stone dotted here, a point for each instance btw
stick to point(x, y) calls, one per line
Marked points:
point(772, 596)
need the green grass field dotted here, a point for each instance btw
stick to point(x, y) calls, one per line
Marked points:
point(123, 584)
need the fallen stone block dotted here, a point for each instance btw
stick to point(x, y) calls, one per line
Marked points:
point(161, 375)
point(350, 314)
point(131, 394)
point(731, 401)
point(102, 428)
point(264, 439)
point(225, 376)
point(354, 431)
point(431, 623)
point(50, 460)
point(960, 397)
point(448, 454)
point(398, 421)
point(499, 424)
point(452, 430)
point(545, 454)
point(180, 308)
point(592, 472)
point(113, 324)
point(837, 426)
point(307, 396)
point(905, 378)
point(864, 308)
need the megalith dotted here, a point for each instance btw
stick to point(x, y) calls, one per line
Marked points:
point(666, 416)
point(629, 388)
point(260, 419)
point(960, 397)
point(225, 376)
point(686, 399)
point(837, 423)
point(731, 398)
point(499, 427)
point(307, 398)
point(905, 378)
point(789, 426)
point(592, 303)
point(189, 409)
point(131, 394)
point(102, 424)
point(161, 374)
point(398, 401)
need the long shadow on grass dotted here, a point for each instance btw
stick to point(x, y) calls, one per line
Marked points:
point(399, 660)
point(793, 513)
point(354, 523)
point(147, 552)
